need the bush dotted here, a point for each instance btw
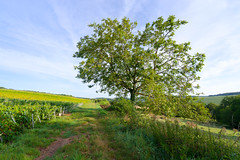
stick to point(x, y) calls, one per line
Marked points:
point(229, 111)
point(8, 128)
point(122, 106)
point(170, 105)
point(199, 112)
point(185, 142)
point(104, 103)
point(151, 139)
point(212, 109)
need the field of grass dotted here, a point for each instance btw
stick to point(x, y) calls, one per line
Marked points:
point(89, 132)
point(29, 95)
point(212, 99)
point(212, 127)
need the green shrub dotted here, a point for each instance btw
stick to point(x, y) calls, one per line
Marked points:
point(229, 111)
point(104, 103)
point(212, 109)
point(122, 106)
point(8, 128)
point(146, 138)
point(169, 140)
point(137, 144)
point(15, 114)
point(185, 142)
point(170, 105)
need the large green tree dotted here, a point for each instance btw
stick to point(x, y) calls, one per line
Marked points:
point(121, 59)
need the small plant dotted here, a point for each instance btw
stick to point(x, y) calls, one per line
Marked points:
point(223, 130)
point(191, 124)
point(176, 121)
point(235, 130)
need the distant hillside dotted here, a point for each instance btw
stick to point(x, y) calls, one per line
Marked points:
point(226, 94)
point(212, 99)
point(217, 98)
point(32, 95)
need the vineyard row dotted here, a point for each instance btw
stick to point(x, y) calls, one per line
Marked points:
point(15, 114)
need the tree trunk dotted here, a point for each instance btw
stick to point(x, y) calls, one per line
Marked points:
point(133, 95)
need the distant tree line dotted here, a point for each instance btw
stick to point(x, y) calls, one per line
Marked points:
point(228, 112)
point(226, 94)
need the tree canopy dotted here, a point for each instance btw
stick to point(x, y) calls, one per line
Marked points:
point(123, 60)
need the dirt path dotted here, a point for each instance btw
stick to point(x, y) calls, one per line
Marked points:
point(50, 150)
point(92, 142)
point(60, 142)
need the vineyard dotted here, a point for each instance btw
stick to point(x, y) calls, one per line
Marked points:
point(15, 115)
point(24, 109)
point(30, 95)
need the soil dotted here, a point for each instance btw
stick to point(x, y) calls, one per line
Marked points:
point(105, 106)
point(50, 150)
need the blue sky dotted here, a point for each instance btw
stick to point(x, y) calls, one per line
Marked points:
point(38, 39)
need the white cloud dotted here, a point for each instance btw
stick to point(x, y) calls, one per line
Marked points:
point(36, 65)
point(44, 46)
point(213, 29)
point(128, 7)
point(75, 17)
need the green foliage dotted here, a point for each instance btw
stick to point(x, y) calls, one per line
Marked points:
point(138, 144)
point(170, 105)
point(151, 139)
point(228, 111)
point(102, 135)
point(158, 102)
point(26, 145)
point(121, 60)
point(212, 109)
point(183, 142)
point(122, 106)
point(199, 112)
point(8, 128)
point(104, 103)
point(15, 114)
point(191, 108)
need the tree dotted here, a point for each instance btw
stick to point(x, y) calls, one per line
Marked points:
point(212, 109)
point(122, 60)
point(228, 111)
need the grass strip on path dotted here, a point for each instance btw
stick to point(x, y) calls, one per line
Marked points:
point(87, 133)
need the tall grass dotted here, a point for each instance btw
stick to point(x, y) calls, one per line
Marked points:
point(184, 142)
point(170, 140)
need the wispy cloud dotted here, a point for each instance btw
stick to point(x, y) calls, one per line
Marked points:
point(40, 38)
point(213, 29)
point(26, 63)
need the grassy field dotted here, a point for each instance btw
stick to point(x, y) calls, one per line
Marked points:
point(89, 132)
point(212, 99)
point(29, 95)
point(212, 127)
